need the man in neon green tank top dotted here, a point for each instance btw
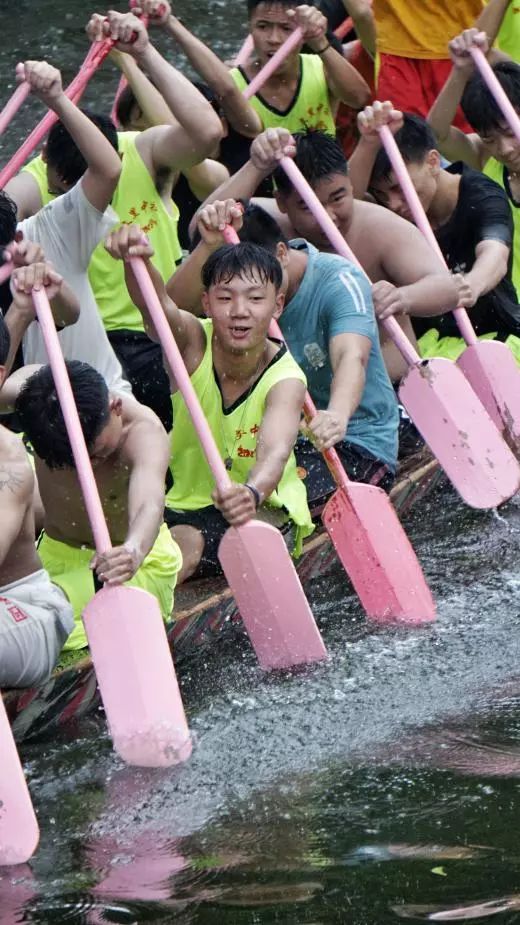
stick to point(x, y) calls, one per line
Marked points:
point(251, 391)
point(493, 148)
point(143, 195)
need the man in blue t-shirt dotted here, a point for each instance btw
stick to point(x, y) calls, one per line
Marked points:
point(329, 324)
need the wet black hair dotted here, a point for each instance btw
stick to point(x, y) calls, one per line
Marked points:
point(125, 103)
point(252, 4)
point(5, 341)
point(241, 260)
point(63, 153)
point(478, 104)
point(318, 155)
point(261, 228)
point(8, 219)
point(414, 140)
point(41, 418)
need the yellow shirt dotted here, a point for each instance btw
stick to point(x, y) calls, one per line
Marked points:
point(509, 35)
point(422, 28)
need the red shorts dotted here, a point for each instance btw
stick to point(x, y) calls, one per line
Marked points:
point(413, 85)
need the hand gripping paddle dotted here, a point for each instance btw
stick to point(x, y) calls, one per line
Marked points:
point(369, 539)
point(438, 398)
point(254, 557)
point(488, 365)
point(19, 833)
point(124, 625)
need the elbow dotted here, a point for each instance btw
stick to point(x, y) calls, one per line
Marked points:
point(358, 95)
point(209, 135)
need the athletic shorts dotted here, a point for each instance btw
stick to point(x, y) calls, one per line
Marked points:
point(35, 620)
point(413, 85)
point(431, 345)
point(69, 567)
point(361, 466)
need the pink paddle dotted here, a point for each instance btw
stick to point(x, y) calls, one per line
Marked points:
point(254, 557)
point(95, 56)
point(19, 833)
point(124, 626)
point(248, 46)
point(489, 366)
point(494, 87)
point(369, 539)
point(13, 105)
point(439, 399)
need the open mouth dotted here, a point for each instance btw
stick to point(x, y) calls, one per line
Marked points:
point(239, 332)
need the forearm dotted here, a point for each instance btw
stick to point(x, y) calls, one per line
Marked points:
point(265, 475)
point(65, 307)
point(241, 185)
point(347, 386)
point(17, 324)
point(345, 83)
point(99, 154)
point(432, 295)
point(490, 20)
point(364, 23)
point(144, 520)
point(361, 165)
point(187, 105)
point(489, 268)
point(150, 101)
point(185, 286)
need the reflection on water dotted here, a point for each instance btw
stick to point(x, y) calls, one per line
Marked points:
point(382, 785)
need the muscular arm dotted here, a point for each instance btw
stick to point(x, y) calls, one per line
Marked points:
point(489, 268)
point(16, 492)
point(149, 452)
point(277, 434)
point(349, 357)
point(344, 82)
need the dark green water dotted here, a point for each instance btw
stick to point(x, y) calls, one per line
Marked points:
point(378, 787)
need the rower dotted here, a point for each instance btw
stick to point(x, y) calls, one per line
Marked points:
point(472, 222)
point(381, 241)
point(329, 324)
point(35, 615)
point(251, 391)
point(129, 451)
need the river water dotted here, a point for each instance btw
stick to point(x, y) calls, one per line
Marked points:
point(380, 786)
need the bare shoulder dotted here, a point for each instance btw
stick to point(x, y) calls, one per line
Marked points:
point(16, 473)
point(143, 429)
point(379, 220)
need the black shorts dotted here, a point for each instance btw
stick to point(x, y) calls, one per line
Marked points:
point(360, 465)
point(212, 525)
point(142, 363)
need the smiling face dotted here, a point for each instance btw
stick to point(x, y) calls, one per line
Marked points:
point(335, 194)
point(270, 26)
point(241, 309)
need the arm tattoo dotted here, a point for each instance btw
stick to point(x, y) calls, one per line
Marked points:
point(9, 480)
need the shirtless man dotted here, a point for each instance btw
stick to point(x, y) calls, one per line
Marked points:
point(251, 392)
point(129, 451)
point(35, 616)
point(393, 253)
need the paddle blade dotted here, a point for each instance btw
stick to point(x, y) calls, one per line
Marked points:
point(491, 370)
point(452, 421)
point(136, 677)
point(270, 598)
point(377, 555)
point(19, 833)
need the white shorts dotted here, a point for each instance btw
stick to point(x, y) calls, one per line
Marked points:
point(35, 620)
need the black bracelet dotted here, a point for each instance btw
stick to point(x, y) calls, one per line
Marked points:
point(323, 50)
point(256, 494)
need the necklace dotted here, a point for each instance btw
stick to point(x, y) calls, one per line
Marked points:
point(245, 398)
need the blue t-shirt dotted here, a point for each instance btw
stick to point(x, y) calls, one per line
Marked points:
point(334, 297)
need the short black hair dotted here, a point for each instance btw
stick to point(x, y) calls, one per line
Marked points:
point(41, 417)
point(241, 260)
point(125, 103)
point(8, 219)
point(261, 228)
point(252, 4)
point(5, 341)
point(318, 155)
point(479, 105)
point(414, 140)
point(63, 153)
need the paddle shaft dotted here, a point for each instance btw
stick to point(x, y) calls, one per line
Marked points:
point(13, 105)
point(248, 46)
point(490, 79)
point(96, 55)
point(331, 457)
point(178, 368)
point(72, 423)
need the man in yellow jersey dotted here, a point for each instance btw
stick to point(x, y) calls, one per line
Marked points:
point(129, 452)
point(251, 391)
point(493, 148)
point(143, 195)
point(412, 40)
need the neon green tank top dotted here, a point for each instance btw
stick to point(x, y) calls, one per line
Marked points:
point(235, 434)
point(497, 172)
point(136, 200)
point(311, 107)
point(509, 35)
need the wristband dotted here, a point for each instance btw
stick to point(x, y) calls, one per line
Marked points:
point(323, 50)
point(256, 494)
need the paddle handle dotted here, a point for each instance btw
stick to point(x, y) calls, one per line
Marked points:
point(274, 63)
point(490, 79)
point(13, 105)
point(245, 51)
point(248, 46)
point(420, 218)
point(178, 368)
point(96, 55)
point(341, 247)
point(72, 422)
